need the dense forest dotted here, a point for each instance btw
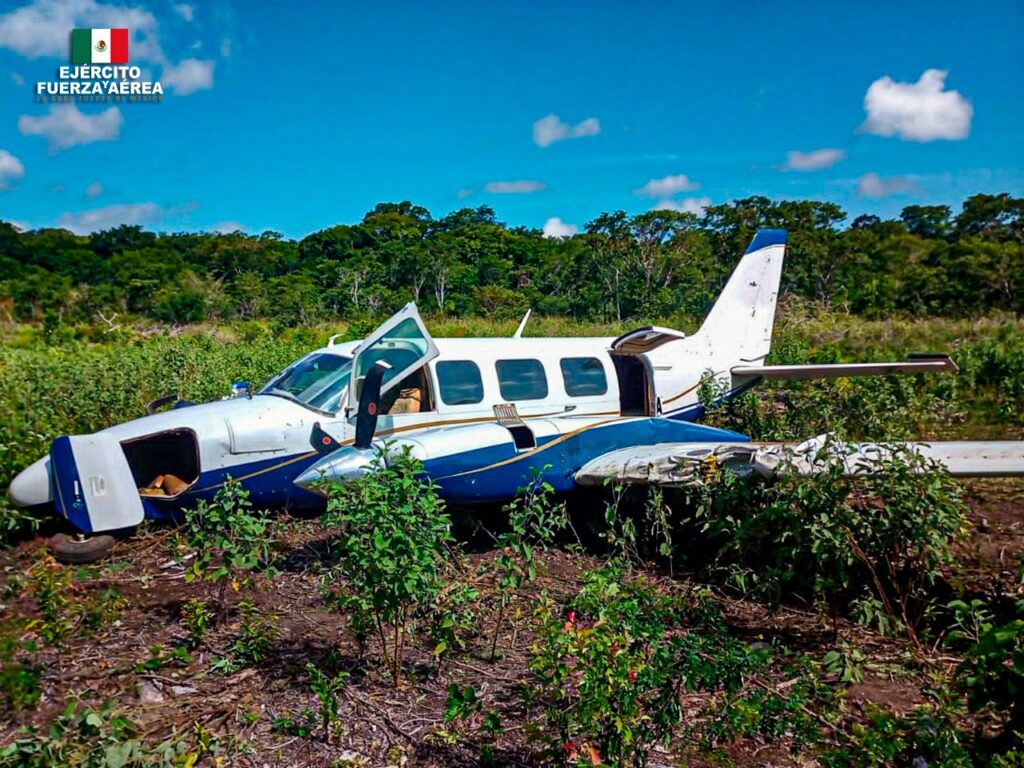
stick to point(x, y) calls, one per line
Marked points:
point(657, 264)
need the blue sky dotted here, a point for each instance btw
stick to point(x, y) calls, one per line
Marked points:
point(294, 120)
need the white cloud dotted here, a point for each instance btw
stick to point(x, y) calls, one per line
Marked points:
point(873, 185)
point(21, 226)
point(667, 186)
point(920, 111)
point(186, 11)
point(465, 192)
point(550, 129)
point(555, 227)
point(66, 127)
point(695, 205)
point(18, 79)
point(188, 77)
point(523, 187)
point(815, 160)
point(84, 222)
point(41, 28)
point(225, 48)
point(228, 227)
point(11, 169)
point(94, 190)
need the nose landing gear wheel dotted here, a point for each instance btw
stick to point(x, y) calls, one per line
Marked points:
point(80, 549)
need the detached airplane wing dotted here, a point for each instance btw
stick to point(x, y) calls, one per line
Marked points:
point(916, 364)
point(688, 463)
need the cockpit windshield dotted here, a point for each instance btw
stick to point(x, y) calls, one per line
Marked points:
point(319, 381)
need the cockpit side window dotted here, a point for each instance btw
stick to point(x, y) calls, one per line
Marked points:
point(319, 381)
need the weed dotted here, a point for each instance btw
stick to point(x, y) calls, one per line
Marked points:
point(303, 724)
point(50, 585)
point(160, 656)
point(19, 682)
point(326, 690)
point(196, 618)
point(534, 520)
point(257, 632)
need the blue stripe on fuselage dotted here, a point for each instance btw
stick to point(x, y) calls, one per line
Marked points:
point(466, 477)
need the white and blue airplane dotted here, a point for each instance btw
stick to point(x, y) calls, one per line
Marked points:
point(482, 415)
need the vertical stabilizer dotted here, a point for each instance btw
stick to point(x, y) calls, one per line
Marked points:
point(739, 325)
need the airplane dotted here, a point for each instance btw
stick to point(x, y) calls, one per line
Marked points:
point(483, 415)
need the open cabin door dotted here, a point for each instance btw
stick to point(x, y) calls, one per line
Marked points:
point(636, 384)
point(402, 342)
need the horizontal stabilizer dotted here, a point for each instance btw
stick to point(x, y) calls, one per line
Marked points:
point(922, 364)
point(689, 463)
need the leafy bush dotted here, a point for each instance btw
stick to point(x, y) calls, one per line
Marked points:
point(626, 648)
point(928, 737)
point(392, 546)
point(230, 538)
point(886, 535)
point(992, 673)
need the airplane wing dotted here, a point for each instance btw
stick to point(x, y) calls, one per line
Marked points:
point(689, 463)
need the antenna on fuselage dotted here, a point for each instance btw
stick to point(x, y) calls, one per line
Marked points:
point(522, 324)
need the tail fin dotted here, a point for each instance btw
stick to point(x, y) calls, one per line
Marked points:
point(739, 325)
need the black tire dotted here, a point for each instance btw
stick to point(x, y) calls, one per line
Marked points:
point(76, 550)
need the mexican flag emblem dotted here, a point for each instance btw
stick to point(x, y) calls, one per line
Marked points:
point(99, 46)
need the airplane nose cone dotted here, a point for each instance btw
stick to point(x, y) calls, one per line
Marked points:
point(342, 466)
point(32, 485)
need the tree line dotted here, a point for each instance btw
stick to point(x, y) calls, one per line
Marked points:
point(929, 261)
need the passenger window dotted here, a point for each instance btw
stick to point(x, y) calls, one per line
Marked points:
point(583, 376)
point(459, 382)
point(521, 379)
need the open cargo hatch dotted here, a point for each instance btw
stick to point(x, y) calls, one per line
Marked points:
point(165, 464)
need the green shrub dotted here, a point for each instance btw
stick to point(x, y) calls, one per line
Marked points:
point(992, 672)
point(230, 539)
point(886, 535)
point(624, 647)
point(392, 547)
point(928, 737)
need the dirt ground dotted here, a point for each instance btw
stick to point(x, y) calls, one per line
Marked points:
point(385, 726)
